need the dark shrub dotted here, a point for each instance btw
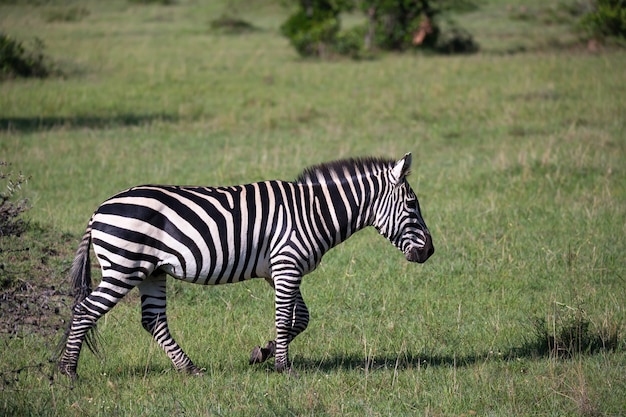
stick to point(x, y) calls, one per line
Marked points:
point(350, 42)
point(405, 24)
point(10, 207)
point(311, 33)
point(395, 25)
point(455, 40)
point(608, 19)
point(570, 332)
point(16, 61)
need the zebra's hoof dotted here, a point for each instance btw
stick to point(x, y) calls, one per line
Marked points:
point(260, 355)
point(286, 370)
point(256, 356)
point(68, 371)
point(195, 371)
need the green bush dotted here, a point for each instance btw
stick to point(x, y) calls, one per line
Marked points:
point(312, 34)
point(608, 19)
point(396, 22)
point(350, 42)
point(16, 61)
point(455, 40)
point(314, 29)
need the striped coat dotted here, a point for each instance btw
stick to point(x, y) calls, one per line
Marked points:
point(277, 230)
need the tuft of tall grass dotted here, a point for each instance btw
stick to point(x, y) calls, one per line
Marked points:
point(569, 331)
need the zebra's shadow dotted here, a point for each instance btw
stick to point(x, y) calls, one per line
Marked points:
point(382, 362)
point(419, 360)
point(350, 361)
point(357, 361)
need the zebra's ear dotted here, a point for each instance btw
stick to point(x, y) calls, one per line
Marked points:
point(402, 168)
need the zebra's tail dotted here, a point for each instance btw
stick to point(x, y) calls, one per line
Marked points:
point(80, 275)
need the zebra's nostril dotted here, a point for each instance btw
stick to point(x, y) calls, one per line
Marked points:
point(428, 246)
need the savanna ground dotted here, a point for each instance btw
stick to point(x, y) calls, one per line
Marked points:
point(519, 164)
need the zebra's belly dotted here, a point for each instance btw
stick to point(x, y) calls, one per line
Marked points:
point(126, 259)
point(213, 273)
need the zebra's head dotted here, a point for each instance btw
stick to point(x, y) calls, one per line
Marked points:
point(399, 218)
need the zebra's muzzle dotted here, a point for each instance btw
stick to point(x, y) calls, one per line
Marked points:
point(420, 255)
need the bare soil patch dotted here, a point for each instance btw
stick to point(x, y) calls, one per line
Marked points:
point(35, 296)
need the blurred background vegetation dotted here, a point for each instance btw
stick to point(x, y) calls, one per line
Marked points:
point(314, 27)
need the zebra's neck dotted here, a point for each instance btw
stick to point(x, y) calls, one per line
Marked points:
point(339, 210)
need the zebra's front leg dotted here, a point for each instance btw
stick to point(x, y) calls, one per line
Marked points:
point(299, 322)
point(292, 317)
point(154, 320)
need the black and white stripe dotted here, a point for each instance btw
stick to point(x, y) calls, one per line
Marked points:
point(276, 230)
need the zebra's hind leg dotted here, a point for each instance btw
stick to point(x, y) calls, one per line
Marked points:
point(154, 320)
point(84, 318)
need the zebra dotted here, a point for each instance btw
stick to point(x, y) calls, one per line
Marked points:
point(276, 230)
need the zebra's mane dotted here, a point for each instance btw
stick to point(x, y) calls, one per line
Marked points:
point(367, 164)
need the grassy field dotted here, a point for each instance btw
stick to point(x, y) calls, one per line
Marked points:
point(519, 164)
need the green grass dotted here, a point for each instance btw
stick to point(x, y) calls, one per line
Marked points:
point(518, 163)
